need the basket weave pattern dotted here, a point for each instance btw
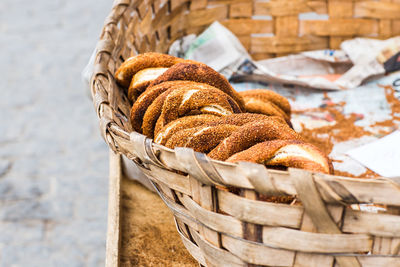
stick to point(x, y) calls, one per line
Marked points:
point(220, 228)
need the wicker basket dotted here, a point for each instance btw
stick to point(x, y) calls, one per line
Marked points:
point(220, 228)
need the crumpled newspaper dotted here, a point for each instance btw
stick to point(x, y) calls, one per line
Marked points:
point(216, 46)
point(358, 59)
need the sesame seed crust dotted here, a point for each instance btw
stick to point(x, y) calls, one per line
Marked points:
point(187, 101)
point(201, 139)
point(251, 134)
point(141, 80)
point(240, 119)
point(181, 124)
point(132, 65)
point(152, 114)
point(254, 105)
point(148, 97)
point(269, 96)
point(199, 72)
point(189, 98)
point(237, 119)
point(268, 153)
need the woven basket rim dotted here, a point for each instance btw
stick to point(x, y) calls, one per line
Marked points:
point(386, 184)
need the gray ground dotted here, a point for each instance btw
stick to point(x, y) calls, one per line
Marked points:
point(53, 162)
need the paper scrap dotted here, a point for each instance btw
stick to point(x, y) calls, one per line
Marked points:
point(343, 162)
point(219, 48)
point(381, 156)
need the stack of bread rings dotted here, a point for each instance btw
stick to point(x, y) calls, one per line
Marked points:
point(184, 103)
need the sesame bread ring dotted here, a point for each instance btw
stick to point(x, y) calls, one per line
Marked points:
point(141, 80)
point(152, 114)
point(199, 72)
point(180, 124)
point(240, 119)
point(191, 101)
point(237, 119)
point(139, 62)
point(287, 153)
point(259, 106)
point(201, 139)
point(214, 130)
point(147, 98)
point(195, 98)
point(269, 96)
point(266, 102)
point(251, 134)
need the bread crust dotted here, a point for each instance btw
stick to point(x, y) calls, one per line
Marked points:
point(132, 65)
point(184, 101)
point(141, 80)
point(201, 139)
point(267, 95)
point(298, 154)
point(251, 134)
point(198, 72)
point(141, 105)
point(189, 99)
point(183, 123)
point(266, 102)
point(205, 120)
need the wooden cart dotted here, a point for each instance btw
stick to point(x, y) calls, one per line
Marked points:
point(119, 232)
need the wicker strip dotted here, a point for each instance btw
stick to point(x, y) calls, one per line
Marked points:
point(316, 209)
point(259, 177)
point(217, 222)
point(193, 249)
point(196, 164)
point(214, 255)
point(255, 254)
point(312, 202)
point(253, 211)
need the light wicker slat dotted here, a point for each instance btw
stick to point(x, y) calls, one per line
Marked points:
point(315, 242)
point(217, 222)
point(178, 182)
point(220, 228)
point(216, 256)
point(253, 211)
point(377, 10)
point(114, 203)
point(254, 254)
point(192, 248)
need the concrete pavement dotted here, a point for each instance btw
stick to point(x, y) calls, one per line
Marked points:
point(53, 162)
